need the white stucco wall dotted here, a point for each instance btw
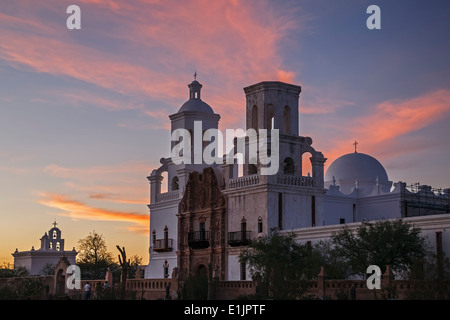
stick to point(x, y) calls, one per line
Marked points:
point(34, 261)
point(161, 215)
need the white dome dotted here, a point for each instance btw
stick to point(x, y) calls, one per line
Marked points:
point(357, 169)
point(196, 104)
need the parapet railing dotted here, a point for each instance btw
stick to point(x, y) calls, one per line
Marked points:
point(167, 196)
point(244, 181)
point(284, 179)
point(295, 180)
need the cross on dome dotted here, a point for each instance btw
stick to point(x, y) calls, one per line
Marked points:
point(355, 144)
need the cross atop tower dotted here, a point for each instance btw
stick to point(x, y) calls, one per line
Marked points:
point(54, 224)
point(355, 144)
point(195, 75)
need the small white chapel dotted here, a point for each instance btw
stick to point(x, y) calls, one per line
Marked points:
point(50, 252)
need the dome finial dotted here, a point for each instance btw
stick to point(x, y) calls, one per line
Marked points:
point(195, 75)
point(355, 144)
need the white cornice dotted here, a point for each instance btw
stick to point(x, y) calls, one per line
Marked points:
point(431, 222)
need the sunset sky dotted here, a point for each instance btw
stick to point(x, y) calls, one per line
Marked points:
point(84, 113)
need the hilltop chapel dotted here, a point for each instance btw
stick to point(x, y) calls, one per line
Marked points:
point(210, 212)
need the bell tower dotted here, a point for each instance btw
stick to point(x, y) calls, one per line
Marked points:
point(273, 105)
point(194, 116)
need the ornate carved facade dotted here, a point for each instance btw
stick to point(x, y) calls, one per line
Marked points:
point(201, 225)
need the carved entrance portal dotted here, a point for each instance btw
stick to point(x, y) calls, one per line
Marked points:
point(201, 225)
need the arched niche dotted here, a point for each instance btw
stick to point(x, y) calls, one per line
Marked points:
point(307, 169)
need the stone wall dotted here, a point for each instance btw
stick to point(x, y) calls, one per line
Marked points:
point(156, 289)
point(229, 290)
point(17, 285)
point(136, 289)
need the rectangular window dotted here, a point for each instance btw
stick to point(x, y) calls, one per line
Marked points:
point(166, 238)
point(202, 231)
point(244, 231)
point(342, 221)
point(354, 213)
point(244, 226)
point(243, 272)
point(260, 227)
point(313, 211)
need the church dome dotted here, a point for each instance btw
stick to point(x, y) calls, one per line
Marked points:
point(195, 103)
point(353, 169)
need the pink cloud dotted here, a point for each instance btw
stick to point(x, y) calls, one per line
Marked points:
point(94, 171)
point(389, 121)
point(392, 119)
point(115, 198)
point(123, 183)
point(79, 210)
point(236, 41)
point(16, 170)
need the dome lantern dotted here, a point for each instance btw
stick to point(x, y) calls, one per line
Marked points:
point(195, 103)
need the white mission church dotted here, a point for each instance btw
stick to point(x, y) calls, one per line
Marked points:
point(209, 213)
point(49, 254)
